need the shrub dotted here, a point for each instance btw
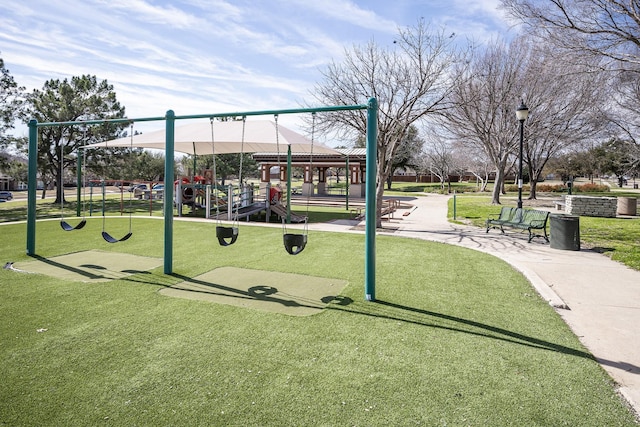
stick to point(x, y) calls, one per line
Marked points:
point(592, 188)
point(559, 188)
point(549, 188)
point(466, 189)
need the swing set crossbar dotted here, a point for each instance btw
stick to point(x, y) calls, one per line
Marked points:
point(205, 116)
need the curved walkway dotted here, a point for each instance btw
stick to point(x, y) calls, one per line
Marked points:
point(598, 298)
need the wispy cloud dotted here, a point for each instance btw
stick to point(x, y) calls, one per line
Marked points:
point(144, 11)
point(207, 55)
point(348, 12)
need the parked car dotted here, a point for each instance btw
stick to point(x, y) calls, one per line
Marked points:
point(139, 190)
point(5, 195)
point(133, 187)
point(158, 187)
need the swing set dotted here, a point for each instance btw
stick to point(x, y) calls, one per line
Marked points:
point(105, 235)
point(294, 242)
point(64, 224)
point(226, 235)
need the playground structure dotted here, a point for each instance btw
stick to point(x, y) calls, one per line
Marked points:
point(234, 202)
point(169, 146)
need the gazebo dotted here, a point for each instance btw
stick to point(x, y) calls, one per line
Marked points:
point(352, 159)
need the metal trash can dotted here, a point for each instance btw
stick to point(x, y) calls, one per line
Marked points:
point(565, 232)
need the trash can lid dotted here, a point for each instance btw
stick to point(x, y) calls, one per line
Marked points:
point(566, 217)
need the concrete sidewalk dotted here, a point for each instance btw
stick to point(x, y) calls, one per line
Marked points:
point(598, 298)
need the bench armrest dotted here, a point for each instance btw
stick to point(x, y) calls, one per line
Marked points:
point(538, 223)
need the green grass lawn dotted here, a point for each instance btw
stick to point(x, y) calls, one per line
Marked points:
point(618, 238)
point(456, 337)
point(114, 206)
point(415, 188)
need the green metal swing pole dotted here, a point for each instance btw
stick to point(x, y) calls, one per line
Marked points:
point(79, 185)
point(288, 184)
point(370, 201)
point(346, 181)
point(104, 197)
point(32, 186)
point(168, 191)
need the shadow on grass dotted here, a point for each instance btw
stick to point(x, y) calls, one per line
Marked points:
point(602, 250)
point(260, 292)
point(483, 330)
point(75, 270)
point(88, 274)
point(388, 310)
point(413, 315)
point(422, 317)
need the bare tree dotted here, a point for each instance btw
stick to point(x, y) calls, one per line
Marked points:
point(624, 108)
point(484, 105)
point(441, 160)
point(606, 29)
point(410, 80)
point(476, 163)
point(606, 32)
point(564, 102)
point(561, 99)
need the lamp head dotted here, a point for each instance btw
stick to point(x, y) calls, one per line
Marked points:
point(522, 112)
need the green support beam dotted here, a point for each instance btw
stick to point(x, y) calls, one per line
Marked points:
point(288, 184)
point(79, 184)
point(32, 187)
point(346, 180)
point(168, 191)
point(371, 211)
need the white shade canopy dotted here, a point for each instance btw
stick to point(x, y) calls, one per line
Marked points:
point(196, 138)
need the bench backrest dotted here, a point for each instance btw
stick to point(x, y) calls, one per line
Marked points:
point(532, 216)
point(507, 213)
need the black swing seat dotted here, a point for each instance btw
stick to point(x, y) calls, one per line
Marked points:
point(226, 235)
point(294, 243)
point(68, 227)
point(110, 239)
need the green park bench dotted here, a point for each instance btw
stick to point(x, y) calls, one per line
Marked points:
point(523, 219)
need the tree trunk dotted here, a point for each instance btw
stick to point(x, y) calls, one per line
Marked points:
point(485, 182)
point(59, 189)
point(533, 184)
point(532, 189)
point(497, 188)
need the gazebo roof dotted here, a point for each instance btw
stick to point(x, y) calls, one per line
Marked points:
point(355, 155)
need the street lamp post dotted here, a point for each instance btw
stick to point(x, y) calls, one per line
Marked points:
point(521, 114)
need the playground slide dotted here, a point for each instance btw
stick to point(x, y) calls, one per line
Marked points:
point(246, 211)
point(281, 211)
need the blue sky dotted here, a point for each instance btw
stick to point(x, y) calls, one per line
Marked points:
point(212, 56)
